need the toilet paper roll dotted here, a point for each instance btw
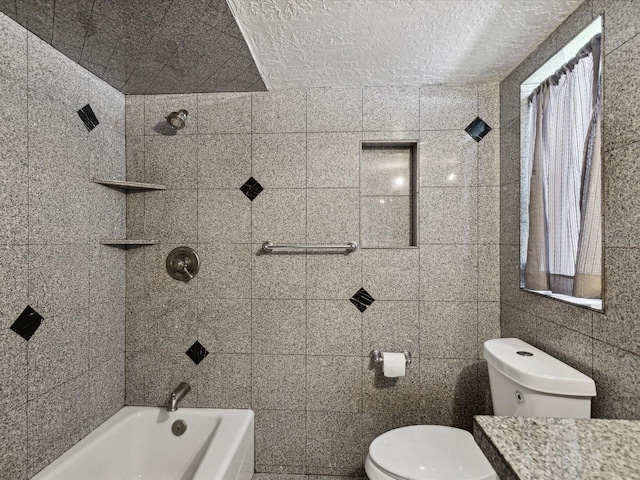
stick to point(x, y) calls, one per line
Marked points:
point(393, 364)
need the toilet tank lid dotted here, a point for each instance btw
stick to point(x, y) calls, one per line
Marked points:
point(536, 369)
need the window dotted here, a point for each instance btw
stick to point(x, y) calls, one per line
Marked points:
point(561, 164)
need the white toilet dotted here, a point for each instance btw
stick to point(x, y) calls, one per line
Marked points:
point(524, 381)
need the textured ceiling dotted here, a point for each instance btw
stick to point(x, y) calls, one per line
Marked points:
point(146, 46)
point(302, 43)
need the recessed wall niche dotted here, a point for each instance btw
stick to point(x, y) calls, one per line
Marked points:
point(388, 195)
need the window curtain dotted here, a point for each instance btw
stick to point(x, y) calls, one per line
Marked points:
point(565, 229)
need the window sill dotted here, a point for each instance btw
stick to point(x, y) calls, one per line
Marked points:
point(590, 303)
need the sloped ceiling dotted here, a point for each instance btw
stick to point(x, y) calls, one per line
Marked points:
point(302, 43)
point(146, 46)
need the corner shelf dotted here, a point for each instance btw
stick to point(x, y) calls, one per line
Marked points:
point(124, 243)
point(129, 186)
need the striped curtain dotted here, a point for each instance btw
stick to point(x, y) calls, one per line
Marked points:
point(564, 249)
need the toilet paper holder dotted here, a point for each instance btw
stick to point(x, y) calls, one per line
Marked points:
point(377, 357)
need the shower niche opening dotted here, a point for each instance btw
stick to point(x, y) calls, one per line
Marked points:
point(389, 194)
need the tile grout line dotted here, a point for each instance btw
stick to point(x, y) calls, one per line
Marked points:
point(252, 253)
point(164, 15)
point(27, 421)
point(84, 41)
point(53, 20)
point(418, 184)
point(145, 386)
point(477, 220)
point(628, 40)
point(362, 280)
point(306, 286)
point(197, 236)
point(124, 300)
point(91, 266)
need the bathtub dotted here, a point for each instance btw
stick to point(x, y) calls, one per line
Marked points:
point(137, 443)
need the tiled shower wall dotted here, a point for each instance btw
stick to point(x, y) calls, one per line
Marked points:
point(69, 376)
point(282, 336)
point(605, 346)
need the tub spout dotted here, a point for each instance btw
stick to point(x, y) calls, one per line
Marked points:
point(177, 395)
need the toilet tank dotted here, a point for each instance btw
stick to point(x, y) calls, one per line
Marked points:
point(527, 382)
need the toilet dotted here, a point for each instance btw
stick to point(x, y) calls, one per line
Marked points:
point(525, 382)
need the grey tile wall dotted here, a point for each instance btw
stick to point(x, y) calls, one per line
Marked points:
point(604, 345)
point(69, 377)
point(283, 337)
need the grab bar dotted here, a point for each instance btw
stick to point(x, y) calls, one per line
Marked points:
point(270, 247)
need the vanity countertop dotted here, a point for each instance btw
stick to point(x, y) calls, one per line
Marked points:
point(560, 448)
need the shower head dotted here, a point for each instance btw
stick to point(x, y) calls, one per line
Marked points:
point(177, 120)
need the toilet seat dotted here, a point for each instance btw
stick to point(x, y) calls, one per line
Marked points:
point(427, 452)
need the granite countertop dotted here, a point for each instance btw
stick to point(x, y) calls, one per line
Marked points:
point(560, 448)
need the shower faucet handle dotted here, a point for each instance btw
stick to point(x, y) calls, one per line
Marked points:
point(182, 266)
point(183, 263)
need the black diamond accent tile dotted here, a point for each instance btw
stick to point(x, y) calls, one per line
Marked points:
point(251, 188)
point(362, 299)
point(88, 117)
point(478, 129)
point(27, 323)
point(197, 352)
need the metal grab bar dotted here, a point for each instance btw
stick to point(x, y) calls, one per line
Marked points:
point(270, 247)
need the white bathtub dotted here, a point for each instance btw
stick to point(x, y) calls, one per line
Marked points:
point(137, 443)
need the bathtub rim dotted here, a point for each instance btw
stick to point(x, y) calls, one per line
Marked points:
point(234, 426)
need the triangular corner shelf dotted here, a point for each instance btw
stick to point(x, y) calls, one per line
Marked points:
point(129, 186)
point(124, 243)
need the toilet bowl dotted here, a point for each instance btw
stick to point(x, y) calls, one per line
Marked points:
point(427, 452)
point(524, 381)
